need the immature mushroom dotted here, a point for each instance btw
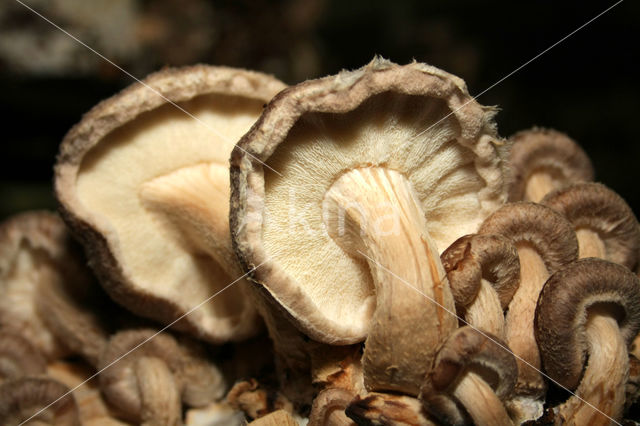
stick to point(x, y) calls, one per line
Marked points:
point(146, 378)
point(545, 241)
point(542, 160)
point(36, 254)
point(144, 184)
point(369, 172)
point(18, 357)
point(587, 313)
point(42, 401)
point(478, 371)
point(604, 223)
point(77, 376)
point(484, 273)
point(388, 409)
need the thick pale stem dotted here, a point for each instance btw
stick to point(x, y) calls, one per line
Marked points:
point(480, 401)
point(485, 312)
point(373, 214)
point(520, 318)
point(195, 199)
point(590, 243)
point(538, 185)
point(604, 379)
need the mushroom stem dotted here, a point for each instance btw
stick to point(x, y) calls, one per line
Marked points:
point(196, 198)
point(538, 185)
point(520, 319)
point(373, 215)
point(590, 244)
point(480, 401)
point(603, 383)
point(485, 312)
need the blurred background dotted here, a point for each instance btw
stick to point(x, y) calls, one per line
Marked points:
point(587, 86)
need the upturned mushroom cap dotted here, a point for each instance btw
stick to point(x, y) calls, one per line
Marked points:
point(545, 241)
point(599, 213)
point(474, 257)
point(195, 382)
point(18, 357)
point(36, 254)
point(415, 121)
point(563, 309)
point(469, 351)
point(26, 398)
point(543, 159)
point(144, 184)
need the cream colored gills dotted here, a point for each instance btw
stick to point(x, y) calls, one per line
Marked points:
point(155, 172)
point(322, 147)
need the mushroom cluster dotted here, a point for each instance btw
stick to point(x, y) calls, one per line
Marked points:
point(357, 249)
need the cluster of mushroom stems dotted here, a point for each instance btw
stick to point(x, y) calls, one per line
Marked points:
point(358, 249)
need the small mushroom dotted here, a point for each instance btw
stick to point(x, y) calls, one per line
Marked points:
point(37, 255)
point(143, 181)
point(376, 169)
point(41, 401)
point(329, 406)
point(18, 357)
point(604, 223)
point(141, 368)
point(545, 241)
point(388, 409)
point(78, 377)
point(484, 273)
point(542, 160)
point(478, 371)
point(255, 400)
point(587, 314)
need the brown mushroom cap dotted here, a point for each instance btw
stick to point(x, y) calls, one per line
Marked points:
point(145, 187)
point(594, 207)
point(554, 157)
point(414, 120)
point(39, 399)
point(195, 382)
point(468, 350)
point(547, 231)
point(563, 308)
point(473, 257)
point(329, 406)
point(18, 357)
point(36, 253)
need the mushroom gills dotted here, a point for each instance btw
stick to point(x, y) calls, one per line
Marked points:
point(373, 214)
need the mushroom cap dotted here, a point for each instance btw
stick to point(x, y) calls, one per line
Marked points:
point(36, 252)
point(466, 348)
point(416, 120)
point(197, 381)
point(18, 357)
point(545, 149)
point(473, 257)
point(26, 397)
point(594, 206)
point(545, 229)
point(105, 169)
point(563, 308)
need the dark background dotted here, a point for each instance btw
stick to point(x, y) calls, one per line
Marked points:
point(586, 86)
